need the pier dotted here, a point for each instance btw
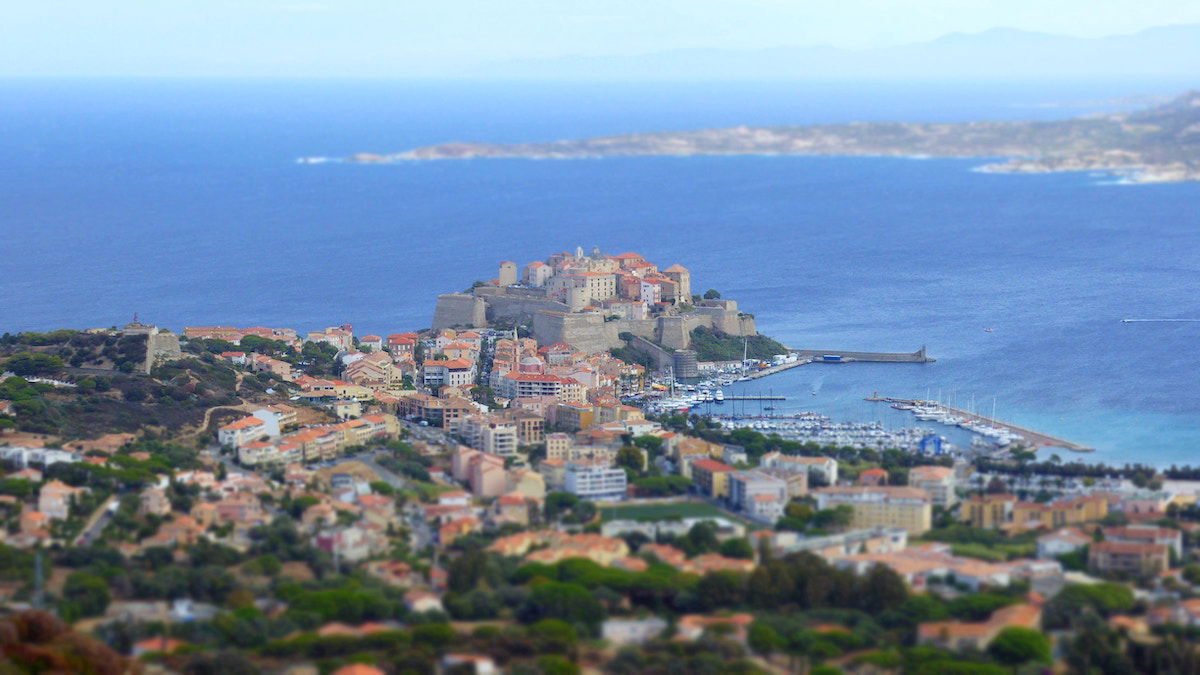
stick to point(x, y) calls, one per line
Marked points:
point(1035, 438)
point(836, 356)
point(755, 397)
point(807, 356)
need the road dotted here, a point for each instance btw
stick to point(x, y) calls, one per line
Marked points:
point(96, 523)
point(389, 476)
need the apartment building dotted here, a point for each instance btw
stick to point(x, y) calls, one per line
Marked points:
point(711, 477)
point(938, 481)
point(1137, 559)
point(756, 494)
point(826, 468)
point(905, 507)
point(595, 482)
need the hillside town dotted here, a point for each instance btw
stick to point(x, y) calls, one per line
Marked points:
point(476, 499)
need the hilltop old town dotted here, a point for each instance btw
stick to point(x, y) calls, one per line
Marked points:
point(550, 479)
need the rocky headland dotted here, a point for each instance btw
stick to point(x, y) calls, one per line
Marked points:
point(1159, 144)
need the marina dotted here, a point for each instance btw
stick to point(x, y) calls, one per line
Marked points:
point(820, 429)
point(1003, 431)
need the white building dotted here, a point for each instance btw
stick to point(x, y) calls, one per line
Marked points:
point(452, 373)
point(493, 435)
point(938, 481)
point(825, 467)
point(595, 483)
point(758, 495)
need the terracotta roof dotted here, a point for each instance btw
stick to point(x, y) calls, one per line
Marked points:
point(244, 423)
point(712, 465)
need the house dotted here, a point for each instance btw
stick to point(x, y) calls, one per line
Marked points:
point(1147, 534)
point(918, 564)
point(692, 627)
point(619, 632)
point(163, 645)
point(938, 481)
point(423, 601)
point(825, 468)
point(1138, 559)
point(873, 477)
point(482, 665)
point(55, 499)
point(359, 669)
point(976, 636)
point(1061, 542)
point(243, 431)
point(153, 501)
point(393, 572)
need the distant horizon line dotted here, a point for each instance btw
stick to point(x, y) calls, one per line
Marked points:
point(470, 71)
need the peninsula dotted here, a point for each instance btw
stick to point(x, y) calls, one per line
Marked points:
point(1159, 144)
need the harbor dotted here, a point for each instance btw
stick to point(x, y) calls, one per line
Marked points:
point(950, 415)
point(816, 428)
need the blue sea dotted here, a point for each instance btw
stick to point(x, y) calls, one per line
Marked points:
point(182, 201)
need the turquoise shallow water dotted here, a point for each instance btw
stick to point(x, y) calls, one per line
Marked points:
point(183, 202)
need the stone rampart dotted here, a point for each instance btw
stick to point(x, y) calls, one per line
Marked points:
point(588, 332)
point(459, 310)
point(662, 358)
point(523, 309)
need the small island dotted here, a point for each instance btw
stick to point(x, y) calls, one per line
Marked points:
point(1159, 144)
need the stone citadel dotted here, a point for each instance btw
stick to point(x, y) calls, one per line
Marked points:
point(588, 301)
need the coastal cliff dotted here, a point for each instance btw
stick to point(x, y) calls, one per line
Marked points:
point(1155, 145)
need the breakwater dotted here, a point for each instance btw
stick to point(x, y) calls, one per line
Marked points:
point(807, 356)
point(1035, 438)
point(836, 356)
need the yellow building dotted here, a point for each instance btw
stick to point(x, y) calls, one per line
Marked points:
point(712, 477)
point(1005, 512)
point(575, 416)
point(905, 507)
point(988, 511)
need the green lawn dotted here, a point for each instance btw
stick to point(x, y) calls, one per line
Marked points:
point(658, 511)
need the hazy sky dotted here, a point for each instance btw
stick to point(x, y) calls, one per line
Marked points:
point(411, 38)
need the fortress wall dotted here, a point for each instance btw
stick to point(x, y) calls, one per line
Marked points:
point(459, 310)
point(662, 358)
point(496, 291)
point(587, 332)
point(509, 307)
point(672, 332)
point(728, 321)
point(746, 325)
point(647, 328)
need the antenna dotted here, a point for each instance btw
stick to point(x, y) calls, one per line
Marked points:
point(39, 584)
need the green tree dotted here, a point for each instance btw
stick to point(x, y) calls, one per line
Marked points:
point(1016, 646)
point(711, 294)
point(882, 589)
point(651, 444)
point(737, 547)
point(566, 601)
point(33, 363)
point(764, 639)
point(87, 594)
point(631, 457)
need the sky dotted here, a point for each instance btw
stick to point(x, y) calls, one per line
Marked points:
point(432, 38)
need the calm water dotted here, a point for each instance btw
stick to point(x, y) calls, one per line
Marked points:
point(182, 201)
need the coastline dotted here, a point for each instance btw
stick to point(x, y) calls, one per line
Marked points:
point(1126, 173)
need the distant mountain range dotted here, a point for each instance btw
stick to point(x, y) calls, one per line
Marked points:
point(1158, 144)
point(1162, 53)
